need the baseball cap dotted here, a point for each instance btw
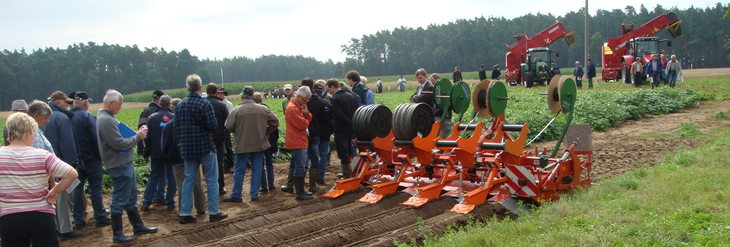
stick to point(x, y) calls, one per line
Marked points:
point(165, 99)
point(58, 95)
point(318, 86)
point(287, 86)
point(247, 92)
point(80, 95)
point(157, 93)
point(19, 105)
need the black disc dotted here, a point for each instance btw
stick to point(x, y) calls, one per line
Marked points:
point(380, 121)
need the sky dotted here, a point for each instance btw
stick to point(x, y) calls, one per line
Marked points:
point(227, 28)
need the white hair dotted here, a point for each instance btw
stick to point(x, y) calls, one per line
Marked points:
point(40, 108)
point(304, 92)
point(113, 96)
point(364, 80)
point(321, 82)
point(193, 82)
point(435, 75)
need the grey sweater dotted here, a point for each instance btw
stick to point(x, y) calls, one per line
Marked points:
point(111, 141)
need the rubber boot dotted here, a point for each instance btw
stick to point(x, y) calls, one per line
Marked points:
point(313, 172)
point(118, 230)
point(139, 227)
point(301, 194)
point(289, 187)
point(346, 171)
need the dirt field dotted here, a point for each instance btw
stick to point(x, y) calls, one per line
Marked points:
point(278, 219)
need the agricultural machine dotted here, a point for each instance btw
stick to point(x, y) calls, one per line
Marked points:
point(479, 162)
point(619, 53)
point(530, 61)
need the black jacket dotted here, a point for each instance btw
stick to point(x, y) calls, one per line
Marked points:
point(457, 76)
point(344, 105)
point(321, 110)
point(221, 114)
point(151, 108)
point(155, 123)
point(169, 143)
point(274, 137)
point(496, 74)
point(84, 127)
point(482, 74)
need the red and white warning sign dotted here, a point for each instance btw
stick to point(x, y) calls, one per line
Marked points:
point(515, 173)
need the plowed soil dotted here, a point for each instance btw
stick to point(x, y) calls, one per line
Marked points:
point(277, 219)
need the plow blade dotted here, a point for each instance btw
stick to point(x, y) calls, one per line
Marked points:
point(423, 195)
point(342, 186)
point(379, 190)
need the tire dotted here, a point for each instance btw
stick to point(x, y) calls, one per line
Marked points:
point(530, 79)
point(625, 73)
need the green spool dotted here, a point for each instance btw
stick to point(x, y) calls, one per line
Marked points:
point(497, 94)
point(460, 97)
point(568, 92)
point(441, 93)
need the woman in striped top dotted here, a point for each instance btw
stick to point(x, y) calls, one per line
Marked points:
point(26, 204)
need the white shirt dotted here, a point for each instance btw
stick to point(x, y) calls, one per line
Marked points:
point(228, 104)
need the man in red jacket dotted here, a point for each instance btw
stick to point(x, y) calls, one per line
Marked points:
point(297, 121)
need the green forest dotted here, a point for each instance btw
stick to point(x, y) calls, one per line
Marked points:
point(466, 43)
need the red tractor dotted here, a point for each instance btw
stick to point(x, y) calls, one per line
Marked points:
point(530, 61)
point(619, 53)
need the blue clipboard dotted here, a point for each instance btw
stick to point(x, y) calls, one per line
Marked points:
point(126, 132)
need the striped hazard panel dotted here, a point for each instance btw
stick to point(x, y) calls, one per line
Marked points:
point(515, 173)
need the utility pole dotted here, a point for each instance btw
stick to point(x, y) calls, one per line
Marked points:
point(222, 72)
point(585, 49)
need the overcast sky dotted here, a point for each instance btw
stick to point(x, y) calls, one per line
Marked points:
point(227, 28)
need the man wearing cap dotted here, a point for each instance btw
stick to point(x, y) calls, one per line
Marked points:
point(160, 167)
point(223, 94)
point(320, 130)
point(59, 133)
point(17, 106)
point(220, 132)
point(251, 125)
point(84, 128)
point(288, 92)
point(152, 108)
point(194, 122)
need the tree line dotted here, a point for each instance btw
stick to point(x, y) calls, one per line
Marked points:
point(466, 43)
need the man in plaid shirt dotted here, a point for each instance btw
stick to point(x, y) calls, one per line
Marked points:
point(194, 123)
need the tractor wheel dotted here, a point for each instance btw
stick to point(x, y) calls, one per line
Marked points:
point(530, 79)
point(625, 73)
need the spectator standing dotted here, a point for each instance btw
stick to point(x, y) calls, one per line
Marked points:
point(457, 75)
point(219, 134)
point(495, 72)
point(41, 112)
point(297, 121)
point(653, 70)
point(59, 133)
point(674, 69)
point(424, 92)
point(578, 74)
point(482, 73)
point(151, 108)
point(288, 93)
point(636, 72)
point(319, 136)
point(223, 94)
point(369, 95)
point(353, 79)
point(251, 125)
point(663, 75)
point(84, 128)
point(117, 155)
point(380, 86)
point(160, 167)
point(170, 147)
point(267, 174)
point(402, 84)
point(591, 73)
point(18, 105)
point(28, 217)
point(195, 120)
point(344, 105)
point(319, 90)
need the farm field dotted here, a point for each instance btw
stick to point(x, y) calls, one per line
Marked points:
point(278, 219)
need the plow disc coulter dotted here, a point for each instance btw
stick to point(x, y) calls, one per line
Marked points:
point(479, 162)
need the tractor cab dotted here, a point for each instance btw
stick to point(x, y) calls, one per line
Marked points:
point(539, 66)
point(644, 47)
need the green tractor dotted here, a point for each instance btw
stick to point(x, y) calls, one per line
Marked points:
point(539, 66)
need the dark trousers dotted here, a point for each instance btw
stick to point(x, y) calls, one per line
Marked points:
point(344, 146)
point(93, 172)
point(22, 229)
point(637, 80)
point(220, 153)
point(229, 152)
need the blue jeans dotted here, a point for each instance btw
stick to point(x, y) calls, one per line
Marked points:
point(299, 162)
point(160, 174)
point(267, 174)
point(92, 172)
point(672, 78)
point(239, 172)
point(124, 183)
point(656, 76)
point(210, 170)
point(318, 154)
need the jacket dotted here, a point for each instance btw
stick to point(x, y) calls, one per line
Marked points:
point(60, 134)
point(251, 125)
point(344, 105)
point(362, 92)
point(578, 72)
point(115, 150)
point(591, 70)
point(273, 137)
point(169, 143)
point(496, 74)
point(221, 114)
point(296, 127)
point(482, 74)
point(426, 95)
point(84, 128)
point(457, 76)
point(194, 125)
point(636, 68)
point(151, 108)
point(649, 67)
point(677, 67)
point(155, 123)
point(321, 110)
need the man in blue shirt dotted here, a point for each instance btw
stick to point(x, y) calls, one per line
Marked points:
point(654, 70)
point(578, 74)
point(194, 123)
